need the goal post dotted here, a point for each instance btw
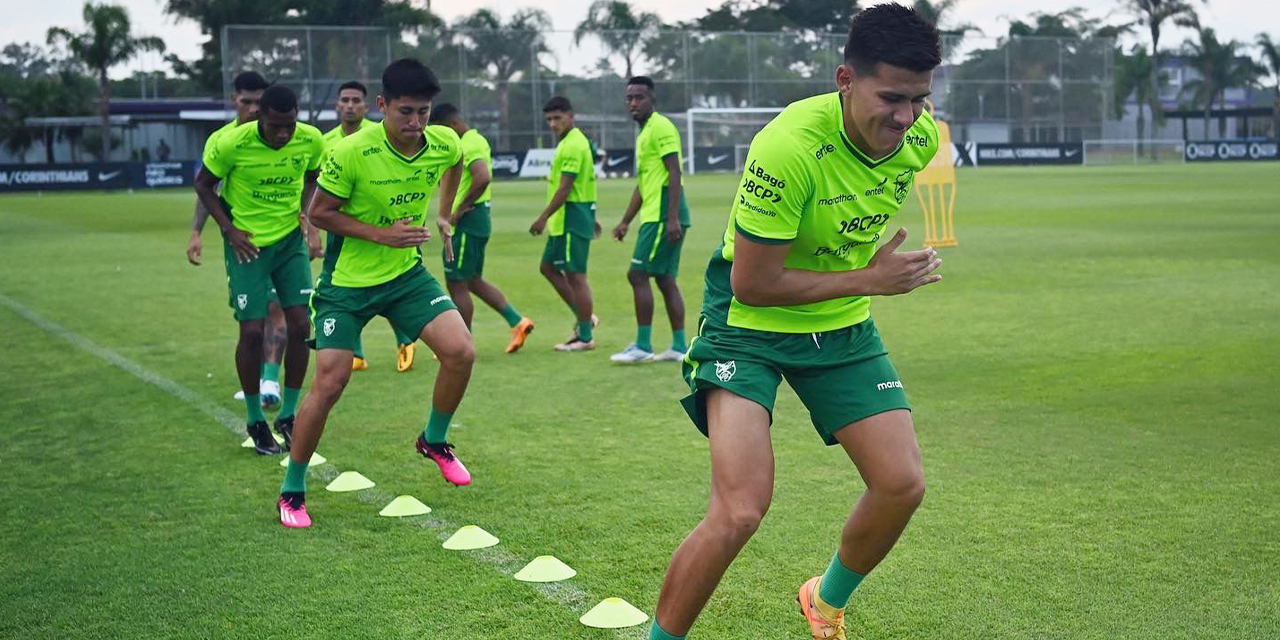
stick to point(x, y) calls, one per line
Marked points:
point(732, 126)
point(1132, 151)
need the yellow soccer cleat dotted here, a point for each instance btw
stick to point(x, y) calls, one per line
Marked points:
point(825, 622)
point(518, 334)
point(404, 357)
point(358, 364)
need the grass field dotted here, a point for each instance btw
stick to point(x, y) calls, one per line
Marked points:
point(1095, 384)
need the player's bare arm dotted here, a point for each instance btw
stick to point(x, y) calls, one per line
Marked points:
point(633, 207)
point(480, 179)
point(195, 247)
point(314, 249)
point(557, 200)
point(326, 214)
point(448, 191)
point(761, 279)
point(206, 190)
point(675, 190)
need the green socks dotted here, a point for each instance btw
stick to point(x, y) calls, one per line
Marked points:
point(644, 338)
point(437, 427)
point(656, 633)
point(271, 371)
point(584, 331)
point(295, 478)
point(511, 315)
point(838, 583)
point(253, 408)
point(288, 403)
point(678, 341)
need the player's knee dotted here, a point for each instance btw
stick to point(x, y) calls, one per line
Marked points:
point(329, 384)
point(298, 331)
point(904, 487)
point(667, 285)
point(252, 334)
point(637, 278)
point(457, 354)
point(740, 521)
point(548, 271)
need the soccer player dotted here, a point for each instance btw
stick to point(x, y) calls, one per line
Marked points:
point(268, 170)
point(352, 107)
point(664, 220)
point(471, 228)
point(787, 295)
point(569, 220)
point(372, 200)
point(248, 88)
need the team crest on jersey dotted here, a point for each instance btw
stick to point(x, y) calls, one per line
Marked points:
point(298, 162)
point(902, 185)
point(329, 325)
point(725, 370)
point(242, 300)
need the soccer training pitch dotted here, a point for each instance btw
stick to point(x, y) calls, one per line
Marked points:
point(1096, 384)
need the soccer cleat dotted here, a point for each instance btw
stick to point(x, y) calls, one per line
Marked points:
point(293, 510)
point(450, 466)
point(822, 627)
point(595, 322)
point(358, 363)
point(284, 427)
point(518, 334)
point(404, 357)
point(239, 395)
point(270, 390)
point(263, 443)
point(632, 355)
point(670, 355)
point(574, 344)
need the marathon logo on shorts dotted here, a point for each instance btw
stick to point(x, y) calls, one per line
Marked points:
point(329, 325)
point(438, 300)
point(242, 300)
point(894, 384)
point(725, 370)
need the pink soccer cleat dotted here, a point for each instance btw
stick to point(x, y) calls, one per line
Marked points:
point(450, 466)
point(293, 511)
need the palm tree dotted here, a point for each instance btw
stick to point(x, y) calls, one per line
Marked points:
point(617, 25)
point(505, 51)
point(106, 43)
point(1132, 73)
point(1153, 14)
point(1271, 67)
point(938, 13)
point(1221, 67)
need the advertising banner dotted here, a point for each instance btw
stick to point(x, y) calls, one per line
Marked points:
point(990, 153)
point(1231, 151)
point(60, 177)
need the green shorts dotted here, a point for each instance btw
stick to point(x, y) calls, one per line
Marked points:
point(841, 376)
point(283, 265)
point(654, 254)
point(567, 252)
point(410, 301)
point(468, 257)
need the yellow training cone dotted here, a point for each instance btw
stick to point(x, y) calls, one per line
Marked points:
point(248, 442)
point(350, 481)
point(545, 569)
point(315, 460)
point(470, 537)
point(404, 506)
point(613, 613)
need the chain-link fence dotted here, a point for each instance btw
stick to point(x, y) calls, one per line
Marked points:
point(1021, 89)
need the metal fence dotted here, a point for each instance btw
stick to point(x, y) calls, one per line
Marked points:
point(999, 90)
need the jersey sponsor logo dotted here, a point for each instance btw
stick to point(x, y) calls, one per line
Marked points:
point(438, 299)
point(242, 301)
point(742, 201)
point(386, 221)
point(902, 185)
point(370, 151)
point(761, 184)
point(840, 199)
point(863, 223)
point(714, 159)
point(824, 150)
point(440, 147)
point(892, 384)
point(725, 370)
point(406, 198)
point(877, 190)
point(844, 249)
point(273, 196)
point(276, 180)
point(916, 140)
point(329, 325)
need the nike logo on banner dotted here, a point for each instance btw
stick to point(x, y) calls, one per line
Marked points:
point(1070, 152)
point(613, 162)
point(716, 159)
point(103, 177)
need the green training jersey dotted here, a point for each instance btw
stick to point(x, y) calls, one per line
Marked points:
point(380, 187)
point(658, 138)
point(575, 155)
point(475, 148)
point(213, 137)
point(262, 186)
point(334, 135)
point(806, 184)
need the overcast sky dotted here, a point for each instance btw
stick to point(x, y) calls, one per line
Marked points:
point(1239, 19)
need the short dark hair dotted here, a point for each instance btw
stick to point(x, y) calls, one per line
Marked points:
point(895, 35)
point(249, 81)
point(279, 98)
point(354, 84)
point(408, 78)
point(557, 103)
point(644, 81)
point(443, 113)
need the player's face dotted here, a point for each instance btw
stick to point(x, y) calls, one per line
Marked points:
point(351, 106)
point(639, 102)
point(405, 117)
point(277, 128)
point(246, 104)
point(884, 104)
point(559, 122)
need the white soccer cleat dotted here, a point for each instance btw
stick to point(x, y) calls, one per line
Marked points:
point(632, 355)
point(670, 355)
point(239, 395)
point(270, 392)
